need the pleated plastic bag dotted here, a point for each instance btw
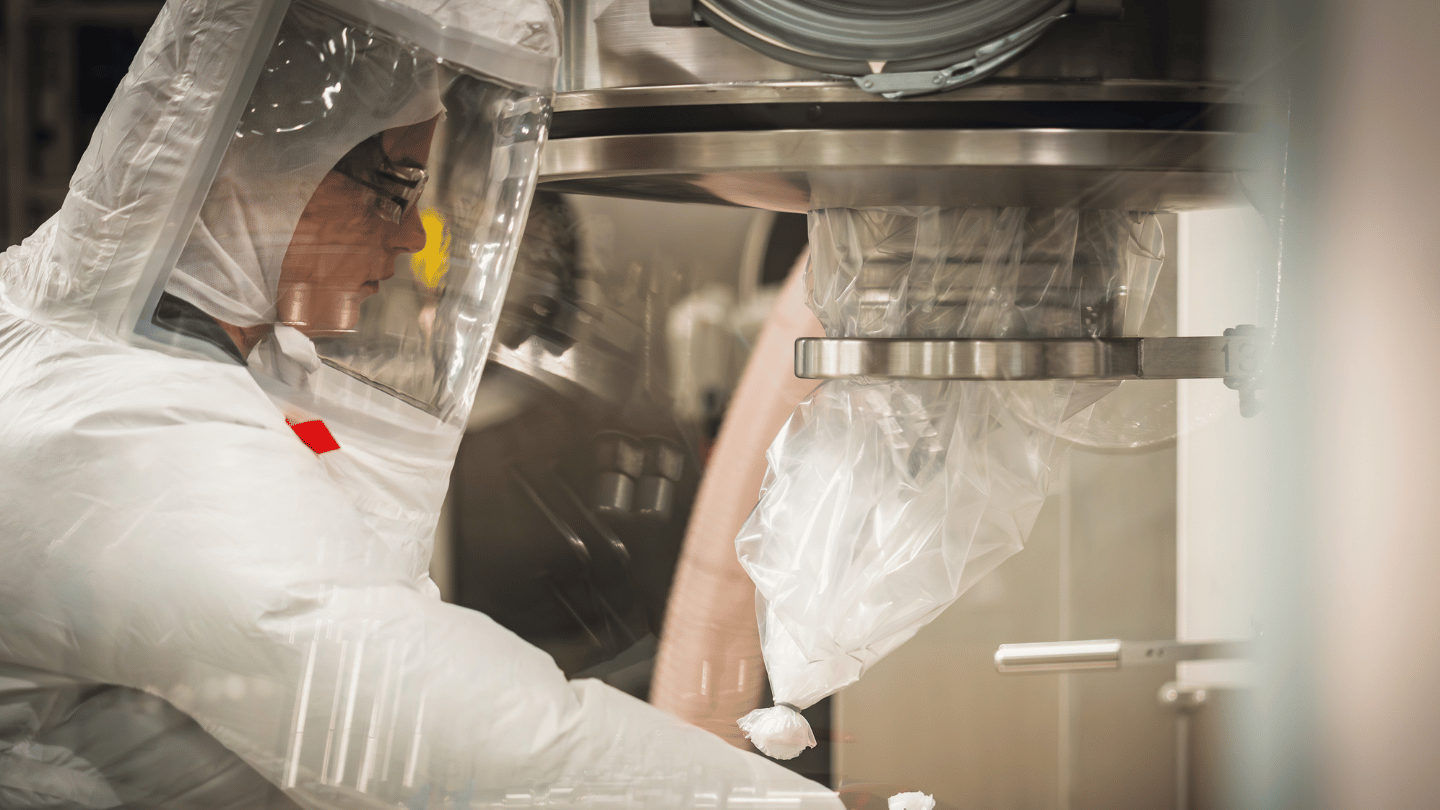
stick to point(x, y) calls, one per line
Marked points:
point(886, 499)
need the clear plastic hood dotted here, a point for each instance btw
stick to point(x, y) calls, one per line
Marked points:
point(355, 242)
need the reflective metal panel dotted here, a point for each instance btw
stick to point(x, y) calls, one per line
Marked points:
point(821, 91)
point(1125, 113)
point(1125, 358)
point(796, 170)
point(612, 43)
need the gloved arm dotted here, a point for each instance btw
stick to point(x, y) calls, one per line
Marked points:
point(707, 669)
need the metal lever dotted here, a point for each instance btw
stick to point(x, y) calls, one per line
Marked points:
point(1108, 653)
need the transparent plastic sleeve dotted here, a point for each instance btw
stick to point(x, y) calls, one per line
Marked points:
point(887, 499)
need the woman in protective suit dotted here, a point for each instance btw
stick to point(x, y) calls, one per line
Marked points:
point(234, 370)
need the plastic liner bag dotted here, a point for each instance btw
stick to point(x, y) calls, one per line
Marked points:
point(887, 499)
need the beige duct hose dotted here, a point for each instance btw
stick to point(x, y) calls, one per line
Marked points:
point(708, 670)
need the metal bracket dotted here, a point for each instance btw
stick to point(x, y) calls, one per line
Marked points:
point(1109, 653)
point(920, 82)
point(1248, 365)
point(1238, 357)
point(987, 59)
point(1186, 698)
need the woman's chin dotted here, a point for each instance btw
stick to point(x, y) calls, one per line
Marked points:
point(324, 311)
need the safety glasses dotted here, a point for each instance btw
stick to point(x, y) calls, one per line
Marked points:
point(395, 187)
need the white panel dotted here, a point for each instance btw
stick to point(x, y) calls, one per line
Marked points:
point(1220, 256)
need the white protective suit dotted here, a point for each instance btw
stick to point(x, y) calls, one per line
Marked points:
point(196, 607)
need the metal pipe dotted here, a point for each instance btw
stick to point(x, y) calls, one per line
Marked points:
point(1110, 653)
point(1059, 656)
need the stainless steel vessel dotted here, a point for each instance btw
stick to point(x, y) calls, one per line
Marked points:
point(1099, 112)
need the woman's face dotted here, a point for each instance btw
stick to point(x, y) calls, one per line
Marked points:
point(344, 246)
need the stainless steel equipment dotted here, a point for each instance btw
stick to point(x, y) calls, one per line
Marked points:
point(1038, 359)
point(1097, 112)
point(795, 105)
point(895, 49)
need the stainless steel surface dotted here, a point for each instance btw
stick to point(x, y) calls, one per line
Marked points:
point(1040, 359)
point(902, 29)
point(1133, 653)
point(834, 91)
point(1185, 699)
point(614, 493)
point(618, 62)
point(597, 370)
point(791, 150)
point(796, 170)
point(655, 497)
point(1058, 656)
point(1110, 653)
point(612, 43)
point(960, 74)
point(1181, 358)
point(955, 43)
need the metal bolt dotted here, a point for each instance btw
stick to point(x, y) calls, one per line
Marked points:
point(867, 84)
point(1183, 697)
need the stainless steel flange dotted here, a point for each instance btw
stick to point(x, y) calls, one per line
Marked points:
point(798, 170)
point(1236, 357)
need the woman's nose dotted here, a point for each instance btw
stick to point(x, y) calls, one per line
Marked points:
point(409, 235)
